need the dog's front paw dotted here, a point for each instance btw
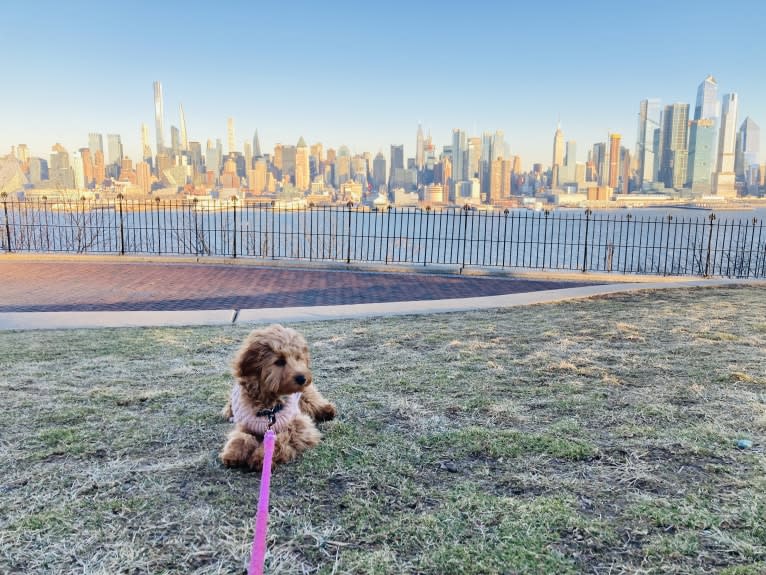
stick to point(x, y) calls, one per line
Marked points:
point(238, 449)
point(325, 413)
point(229, 459)
point(255, 461)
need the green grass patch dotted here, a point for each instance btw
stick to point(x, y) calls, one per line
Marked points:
point(498, 443)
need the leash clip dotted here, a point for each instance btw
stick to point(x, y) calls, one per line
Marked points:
point(271, 414)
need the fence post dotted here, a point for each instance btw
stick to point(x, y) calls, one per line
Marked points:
point(122, 229)
point(311, 231)
point(234, 247)
point(711, 217)
point(348, 233)
point(388, 230)
point(159, 232)
point(7, 223)
point(466, 207)
point(752, 242)
point(545, 235)
point(588, 212)
point(425, 247)
point(506, 211)
point(273, 225)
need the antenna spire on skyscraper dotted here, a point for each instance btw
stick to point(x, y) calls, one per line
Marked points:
point(256, 145)
point(184, 139)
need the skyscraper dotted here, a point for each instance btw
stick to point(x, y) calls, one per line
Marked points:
point(99, 169)
point(600, 163)
point(78, 171)
point(159, 118)
point(675, 145)
point(558, 155)
point(22, 154)
point(143, 177)
point(114, 144)
point(184, 136)
point(95, 143)
point(707, 99)
point(230, 139)
point(459, 171)
point(723, 178)
point(248, 153)
point(212, 159)
point(473, 157)
point(195, 152)
point(558, 147)
point(567, 172)
point(175, 140)
point(626, 170)
point(379, 171)
point(419, 149)
point(647, 146)
point(302, 174)
point(748, 147)
point(343, 165)
point(614, 160)
point(500, 187)
point(708, 107)
point(492, 148)
point(60, 171)
point(256, 146)
point(146, 149)
point(289, 154)
point(397, 162)
point(701, 146)
point(87, 166)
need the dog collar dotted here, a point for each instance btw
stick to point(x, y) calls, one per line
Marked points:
point(276, 418)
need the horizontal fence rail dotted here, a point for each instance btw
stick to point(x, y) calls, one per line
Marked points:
point(568, 240)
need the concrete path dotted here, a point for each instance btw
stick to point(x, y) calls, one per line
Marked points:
point(39, 293)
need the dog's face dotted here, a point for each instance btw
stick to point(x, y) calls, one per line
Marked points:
point(273, 361)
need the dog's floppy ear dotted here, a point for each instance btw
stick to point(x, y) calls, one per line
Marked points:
point(252, 357)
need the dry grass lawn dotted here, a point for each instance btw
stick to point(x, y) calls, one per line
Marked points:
point(594, 436)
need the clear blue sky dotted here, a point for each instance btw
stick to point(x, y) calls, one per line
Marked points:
point(364, 74)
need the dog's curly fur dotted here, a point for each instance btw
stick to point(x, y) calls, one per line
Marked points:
point(273, 363)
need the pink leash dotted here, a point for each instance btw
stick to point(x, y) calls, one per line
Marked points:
point(258, 552)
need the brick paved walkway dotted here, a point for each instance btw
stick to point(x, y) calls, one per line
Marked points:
point(106, 286)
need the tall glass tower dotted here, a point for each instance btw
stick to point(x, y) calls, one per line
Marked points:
point(701, 147)
point(675, 145)
point(459, 171)
point(95, 143)
point(748, 147)
point(646, 149)
point(723, 178)
point(159, 115)
point(707, 100)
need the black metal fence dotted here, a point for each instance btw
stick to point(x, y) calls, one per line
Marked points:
point(560, 240)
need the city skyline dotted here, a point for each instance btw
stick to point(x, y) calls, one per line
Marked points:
point(528, 75)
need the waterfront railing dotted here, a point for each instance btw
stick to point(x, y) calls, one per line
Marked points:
point(582, 240)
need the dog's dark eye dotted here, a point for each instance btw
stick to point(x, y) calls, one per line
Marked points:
point(280, 362)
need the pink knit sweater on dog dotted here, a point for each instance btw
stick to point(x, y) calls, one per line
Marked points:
point(258, 425)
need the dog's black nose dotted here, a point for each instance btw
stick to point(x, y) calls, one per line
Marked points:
point(300, 379)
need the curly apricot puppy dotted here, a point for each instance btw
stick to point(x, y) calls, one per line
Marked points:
point(273, 379)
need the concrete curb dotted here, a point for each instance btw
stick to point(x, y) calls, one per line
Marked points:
point(322, 313)
point(93, 319)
